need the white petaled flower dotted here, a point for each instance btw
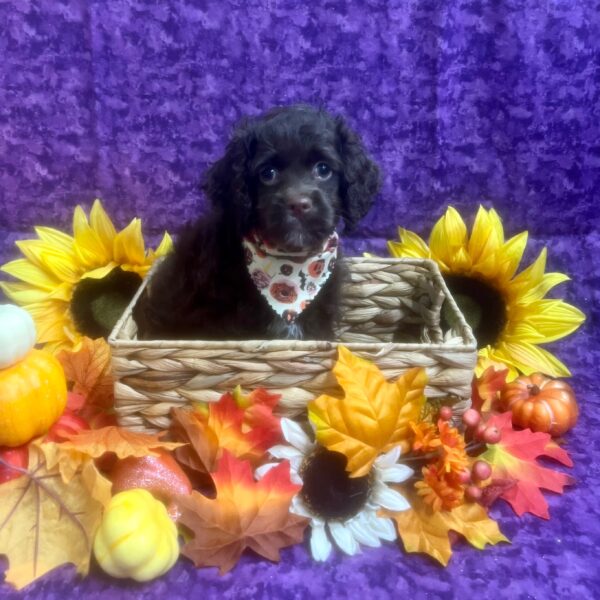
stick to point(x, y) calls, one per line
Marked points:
point(340, 508)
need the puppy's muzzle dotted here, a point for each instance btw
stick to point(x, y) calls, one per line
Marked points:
point(300, 205)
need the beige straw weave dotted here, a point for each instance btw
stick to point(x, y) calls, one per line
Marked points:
point(384, 297)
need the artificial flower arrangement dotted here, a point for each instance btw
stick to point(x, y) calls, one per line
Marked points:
point(377, 464)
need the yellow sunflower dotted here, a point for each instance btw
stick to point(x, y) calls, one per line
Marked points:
point(507, 311)
point(79, 285)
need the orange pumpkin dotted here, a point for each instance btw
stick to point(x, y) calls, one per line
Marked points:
point(541, 403)
point(33, 395)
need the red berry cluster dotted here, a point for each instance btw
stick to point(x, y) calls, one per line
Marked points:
point(479, 433)
point(479, 430)
point(480, 471)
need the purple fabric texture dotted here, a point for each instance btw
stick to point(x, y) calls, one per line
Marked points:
point(461, 102)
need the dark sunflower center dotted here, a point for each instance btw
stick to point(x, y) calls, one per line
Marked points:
point(328, 490)
point(97, 304)
point(483, 308)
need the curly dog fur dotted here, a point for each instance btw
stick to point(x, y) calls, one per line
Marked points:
point(270, 180)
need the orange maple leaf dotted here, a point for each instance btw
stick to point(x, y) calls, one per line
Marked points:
point(424, 530)
point(124, 443)
point(373, 417)
point(486, 388)
point(198, 455)
point(244, 514)
point(88, 370)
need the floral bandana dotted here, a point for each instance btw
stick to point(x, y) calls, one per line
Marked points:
point(289, 280)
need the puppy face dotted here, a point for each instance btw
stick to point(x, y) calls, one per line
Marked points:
point(290, 175)
point(295, 173)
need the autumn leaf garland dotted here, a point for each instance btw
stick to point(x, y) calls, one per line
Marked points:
point(387, 455)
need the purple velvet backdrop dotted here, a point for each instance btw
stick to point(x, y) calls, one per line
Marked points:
point(459, 101)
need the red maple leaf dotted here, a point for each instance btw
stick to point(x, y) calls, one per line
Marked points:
point(514, 457)
point(243, 425)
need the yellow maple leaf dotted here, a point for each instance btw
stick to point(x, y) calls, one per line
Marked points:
point(69, 462)
point(45, 522)
point(373, 417)
point(424, 530)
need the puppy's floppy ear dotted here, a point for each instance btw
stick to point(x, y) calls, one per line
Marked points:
point(360, 177)
point(226, 183)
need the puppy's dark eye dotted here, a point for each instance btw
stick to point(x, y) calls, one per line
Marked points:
point(268, 175)
point(322, 170)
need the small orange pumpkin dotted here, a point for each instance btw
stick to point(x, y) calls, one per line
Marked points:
point(33, 395)
point(541, 403)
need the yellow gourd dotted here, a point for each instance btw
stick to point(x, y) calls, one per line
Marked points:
point(136, 538)
point(33, 395)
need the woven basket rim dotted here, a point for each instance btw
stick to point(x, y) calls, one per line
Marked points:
point(469, 342)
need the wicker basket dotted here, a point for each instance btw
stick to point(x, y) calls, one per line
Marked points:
point(383, 297)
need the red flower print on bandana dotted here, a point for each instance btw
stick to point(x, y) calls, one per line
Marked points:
point(260, 278)
point(284, 293)
point(316, 268)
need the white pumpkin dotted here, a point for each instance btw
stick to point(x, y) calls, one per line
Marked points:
point(17, 334)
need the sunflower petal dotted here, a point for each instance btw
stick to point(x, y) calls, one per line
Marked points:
point(549, 281)
point(128, 245)
point(528, 278)
point(50, 320)
point(100, 272)
point(165, 246)
point(141, 270)
point(448, 236)
point(484, 241)
point(529, 359)
point(488, 268)
point(63, 292)
point(32, 250)
point(496, 225)
point(26, 271)
point(410, 246)
point(512, 253)
point(56, 238)
point(547, 320)
point(524, 332)
point(103, 226)
point(462, 261)
point(88, 245)
point(22, 293)
point(62, 265)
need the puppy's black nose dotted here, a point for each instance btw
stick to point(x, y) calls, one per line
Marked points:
point(300, 205)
